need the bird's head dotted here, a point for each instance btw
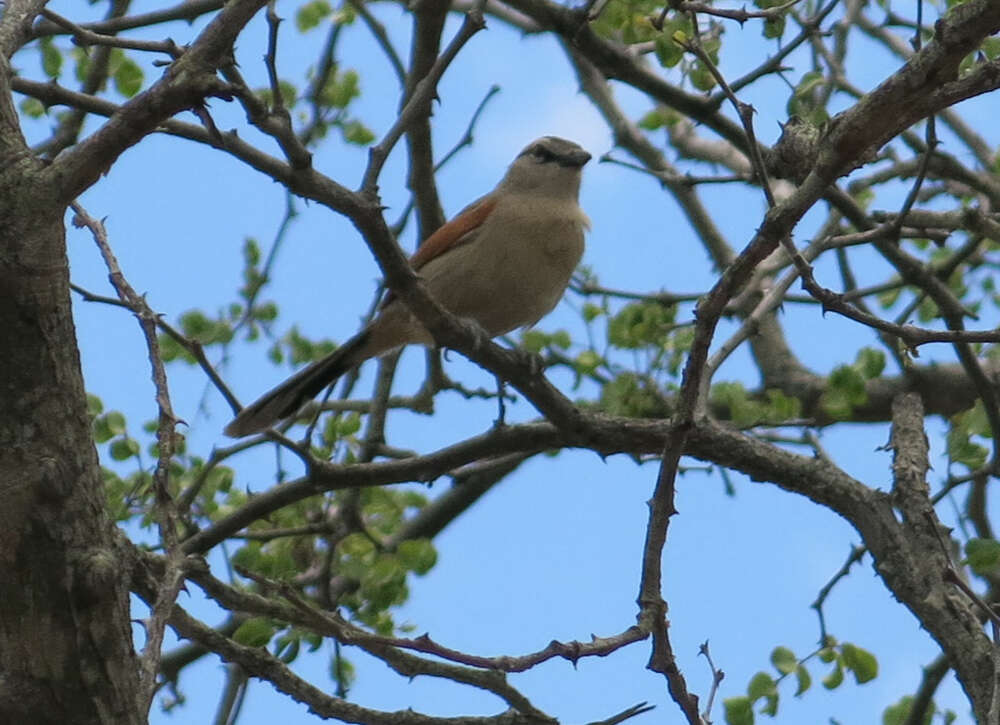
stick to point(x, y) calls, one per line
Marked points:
point(549, 166)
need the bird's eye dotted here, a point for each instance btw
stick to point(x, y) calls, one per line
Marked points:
point(543, 154)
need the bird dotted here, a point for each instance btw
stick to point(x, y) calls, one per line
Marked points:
point(504, 262)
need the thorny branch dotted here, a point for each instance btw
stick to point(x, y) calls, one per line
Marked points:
point(164, 508)
point(927, 84)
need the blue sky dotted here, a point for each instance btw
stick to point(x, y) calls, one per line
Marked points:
point(554, 551)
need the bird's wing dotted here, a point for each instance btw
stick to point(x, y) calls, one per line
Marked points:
point(460, 230)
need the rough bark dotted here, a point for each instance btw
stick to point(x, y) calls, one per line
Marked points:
point(65, 638)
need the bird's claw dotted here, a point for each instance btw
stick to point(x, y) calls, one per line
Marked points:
point(475, 331)
point(531, 360)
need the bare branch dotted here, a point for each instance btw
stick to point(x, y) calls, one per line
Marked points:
point(186, 10)
point(164, 509)
point(185, 85)
point(83, 36)
point(418, 102)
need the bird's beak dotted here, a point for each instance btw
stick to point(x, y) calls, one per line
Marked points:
point(575, 158)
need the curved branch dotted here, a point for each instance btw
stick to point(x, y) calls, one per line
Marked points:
point(186, 84)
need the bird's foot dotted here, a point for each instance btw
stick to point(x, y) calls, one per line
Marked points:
point(531, 360)
point(475, 331)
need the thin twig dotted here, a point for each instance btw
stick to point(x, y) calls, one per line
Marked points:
point(163, 507)
point(740, 16)
point(717, 677)
point(466, 140)
point(382, 37)
point(423, 92)
point(84, 37)
point(853, 558)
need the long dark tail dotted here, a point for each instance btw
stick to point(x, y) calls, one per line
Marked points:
point(286, 399)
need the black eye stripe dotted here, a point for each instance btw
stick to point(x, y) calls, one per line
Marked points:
point(555, 151)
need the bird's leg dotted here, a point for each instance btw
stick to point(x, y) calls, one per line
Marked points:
point(531, 360)
point(500, 422)
point(474, 330)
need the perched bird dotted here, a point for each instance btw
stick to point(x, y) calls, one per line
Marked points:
point(503, 262)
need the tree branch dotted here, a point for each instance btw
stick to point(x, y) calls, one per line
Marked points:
point(187, 82)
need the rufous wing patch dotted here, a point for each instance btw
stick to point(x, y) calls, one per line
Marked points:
point(455, 232)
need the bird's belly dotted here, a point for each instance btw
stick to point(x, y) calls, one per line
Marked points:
point(514, 284)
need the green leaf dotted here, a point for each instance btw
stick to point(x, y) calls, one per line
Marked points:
point(358, 134)
point(928, 310)
point(975, 420)
point(641, 324)
point(983, 555)
point(870, 362)
point(289, 93)
point(784, 660)
point(628, 394)
point(417, 555)
point(255, 632)
point(533, 340)
point(171, 350)
point(128, 77)
point(587, 362)
point(200, 328)
point(356, 545)
point(668, 52)
point(342, 671)
point(809, 82)
point(32, 108)
point(650, 122)
point(774, 28)
point(287, 648)
point(962, 450)
point(195, 324)
point(94, 405)
point(859, 661)
point(833, 680)
point(733, 395)
point(899, 713)
point(124, 448)
point(251, 252)
point(51, 57)
point(384, 584)
point(350, 425)
point(115, 422)
point(248, 556)
point(803, 678)
point(849, 380)
point(341, 89)
point(311, 14)
point(81, 58)
point(845, 390)
point(739, 710)
point(781, 407)
point(220, 479)
point(701, 78)
point(888, 298)
point(761, 685)
point(102, 432)
point(265, 312)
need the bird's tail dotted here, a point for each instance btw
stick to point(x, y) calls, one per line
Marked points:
point(286, 399)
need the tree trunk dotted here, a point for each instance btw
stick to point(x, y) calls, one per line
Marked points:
point(66, 652)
